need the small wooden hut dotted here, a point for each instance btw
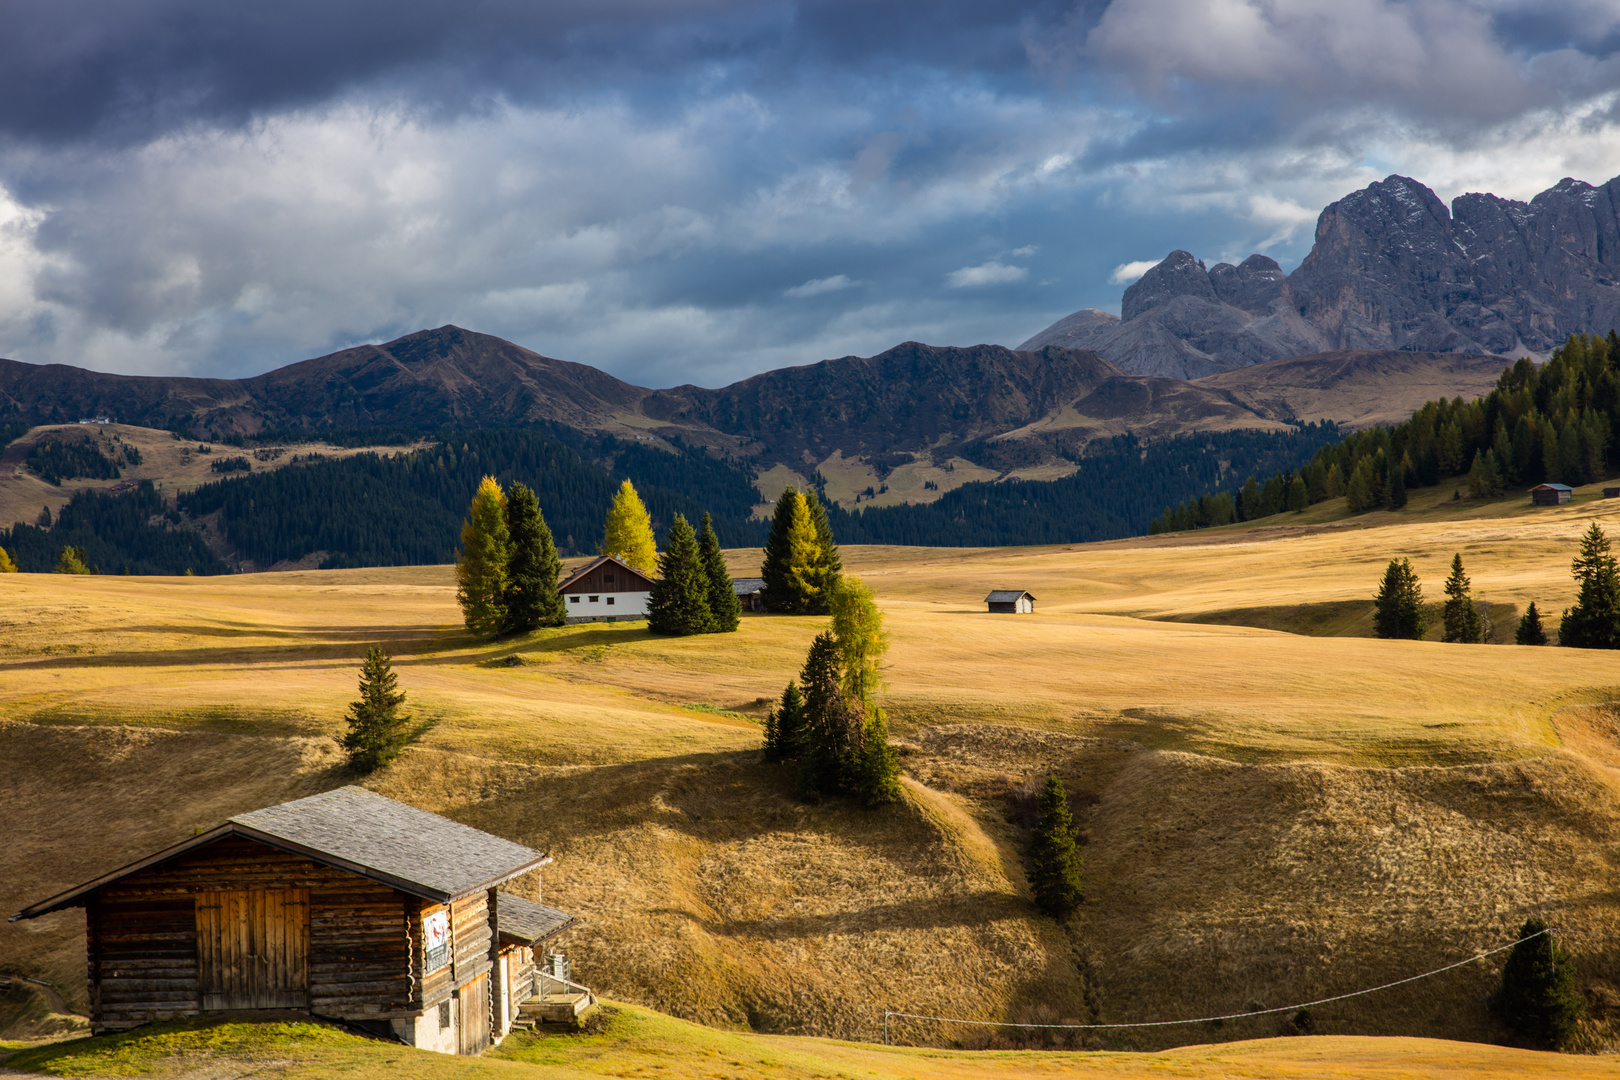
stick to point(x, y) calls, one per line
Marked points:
point(346, 905)
point(1551, 494)
point(750, 592)
point(1011, 602)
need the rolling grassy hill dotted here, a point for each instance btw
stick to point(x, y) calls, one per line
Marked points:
point(1269, 817)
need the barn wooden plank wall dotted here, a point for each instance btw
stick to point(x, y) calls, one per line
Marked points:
point(143, 943)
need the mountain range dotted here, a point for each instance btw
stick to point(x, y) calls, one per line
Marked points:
point(1392, 268)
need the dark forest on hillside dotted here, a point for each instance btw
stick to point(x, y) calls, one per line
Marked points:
point(407, 509)
point(1548, 424)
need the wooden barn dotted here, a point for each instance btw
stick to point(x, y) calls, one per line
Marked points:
point(1551, 494)
point(346, 905)
point(1011, 602)
point(605, 589)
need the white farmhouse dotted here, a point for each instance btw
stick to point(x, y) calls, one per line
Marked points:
point(605, 590)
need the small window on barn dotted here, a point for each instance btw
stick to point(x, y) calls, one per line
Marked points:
point(594, 599)
point(610, 600)
point(607, 578)
point(444, 1015)
point(573, 599)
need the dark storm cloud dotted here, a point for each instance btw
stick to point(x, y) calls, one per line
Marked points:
point(696, 190)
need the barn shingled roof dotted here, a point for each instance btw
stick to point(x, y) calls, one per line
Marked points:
point(353, 829)
point(526, 922)
point(745, 586)
point(1006, 596)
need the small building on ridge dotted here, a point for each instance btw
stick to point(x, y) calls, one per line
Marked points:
point(1011, 602)
point(1551, 494)
point(750, 592)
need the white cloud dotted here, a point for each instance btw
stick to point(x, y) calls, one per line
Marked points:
point(1024, 252)
point(819, 286)
point(1125, 273)
point(990, 273)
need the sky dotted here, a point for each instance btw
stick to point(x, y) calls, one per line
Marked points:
point(699, 190)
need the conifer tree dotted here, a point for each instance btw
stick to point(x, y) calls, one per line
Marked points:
point(1298, 497)
point(1530, 630)
point(679, 603)
point(1539, 997)
point(831, 728)
point(1462, 622)
point(794, 560)
point(875, 771)
point(857, 626)
point(7, 566)
point(784, 726)
point(1594, 621)
point(376, 732)
point(481, 564)
point(1398, 607)
point(1054, 864)
point(71, 561)
point(628, 532)
point(532, 567)
point(724, 607)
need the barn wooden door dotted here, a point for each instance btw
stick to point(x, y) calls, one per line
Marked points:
point(472, 1033)
point(253, 949)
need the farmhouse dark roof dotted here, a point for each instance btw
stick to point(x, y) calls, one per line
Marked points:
point(1006, 596)
point(353, 829)
point(526, 922)
point(598, 561)
point(744, 586)
point(1552, 487)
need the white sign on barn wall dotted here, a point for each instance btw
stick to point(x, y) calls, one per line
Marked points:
point(435, 941)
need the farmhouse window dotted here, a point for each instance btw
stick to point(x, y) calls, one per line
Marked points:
point(573, 599)
point(610, 600)
point(594, 599)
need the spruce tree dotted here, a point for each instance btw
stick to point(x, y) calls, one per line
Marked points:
point(1530, 630)
point(1298, 497)
point(71, 561)
point(784, 726)
point(831, 728)
point(679, 603)
point(724, 607)
point(7, 566)
point(481, 563)
point(875, 770)
point(532, 567)
point(1462, 622)
point(376, 732)
point(1594, 621)
point(627, 533)
point(1539, 998)
point(1054, 864)
point(1398, 607)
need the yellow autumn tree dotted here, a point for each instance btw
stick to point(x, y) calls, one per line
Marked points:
point(6, 565)
point(481, 564)
point(628, 533)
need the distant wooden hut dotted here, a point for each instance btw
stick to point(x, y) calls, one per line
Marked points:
point(1011, 602)
point(750, 592)
point(1611, 493)
point(346, 905)
point(606, 589)
point(1551, 494)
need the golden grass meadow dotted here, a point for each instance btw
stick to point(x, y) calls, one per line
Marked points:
point(1276, 808)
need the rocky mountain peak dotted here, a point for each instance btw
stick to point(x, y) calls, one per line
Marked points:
point(1179, 274)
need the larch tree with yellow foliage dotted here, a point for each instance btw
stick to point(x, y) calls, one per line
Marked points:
point(628, 533)
point(7, 566)
point(481, 562)
point(798, 572)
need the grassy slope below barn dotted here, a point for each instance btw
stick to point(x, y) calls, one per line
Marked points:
point(635, 1042)
point(1269, 817)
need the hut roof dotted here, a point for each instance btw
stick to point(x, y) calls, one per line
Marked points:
point(353, 829)
point(1552, 487)
point(526, 922)
point(745, 586)
point(598, 561)
point(1006, 596)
